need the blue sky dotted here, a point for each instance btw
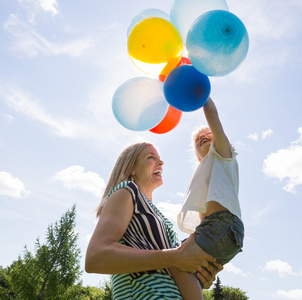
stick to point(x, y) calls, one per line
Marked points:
point(60, 64)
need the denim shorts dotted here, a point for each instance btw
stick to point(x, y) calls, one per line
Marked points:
point(221, 235)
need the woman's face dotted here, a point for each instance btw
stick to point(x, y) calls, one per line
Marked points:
point(203, 141)
point(148, 169)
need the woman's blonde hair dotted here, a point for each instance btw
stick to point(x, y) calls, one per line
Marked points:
point(122, 169)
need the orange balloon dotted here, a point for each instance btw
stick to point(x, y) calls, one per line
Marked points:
point(183, 61)
point(169, 122)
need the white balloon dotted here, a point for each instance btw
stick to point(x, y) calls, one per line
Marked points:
point(184, 12)
point(139, 103)
point(147, 13)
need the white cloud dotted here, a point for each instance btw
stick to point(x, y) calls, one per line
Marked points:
point(26, 105)
point(267, 133)
point(29, 42)
point(286, 164)
point(299, 140)
point(292, 295)
point(229, 267)
point(169, 210)
point(182, 194)
point(270, 32)
point(34, 6)
point(74, 178)
point(49, 6)
point(283, 269)
point(272, 25)
point(88, 127)
point(253, 136)
point(12, 186)
point(9, 118)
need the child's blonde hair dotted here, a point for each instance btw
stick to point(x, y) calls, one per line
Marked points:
point(194, 134)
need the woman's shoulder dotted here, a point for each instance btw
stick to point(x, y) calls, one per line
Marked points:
point(127, 184)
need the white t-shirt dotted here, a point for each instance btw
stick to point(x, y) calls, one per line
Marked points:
point(215, 179)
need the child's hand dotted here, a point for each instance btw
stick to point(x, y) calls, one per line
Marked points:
point(207, 278)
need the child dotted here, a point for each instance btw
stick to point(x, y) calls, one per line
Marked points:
point(211, 206)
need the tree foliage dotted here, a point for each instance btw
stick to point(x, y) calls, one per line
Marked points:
point(217, 291)
point(227, 293)
point(51, 271)
point(107, 291)
point(230, 293)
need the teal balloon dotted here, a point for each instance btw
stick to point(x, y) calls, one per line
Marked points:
point(217, 43)
point(184, 12)
point(147, 13)
point(139, 103)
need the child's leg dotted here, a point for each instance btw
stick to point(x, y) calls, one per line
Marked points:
point(221, 235)
point(188, 284)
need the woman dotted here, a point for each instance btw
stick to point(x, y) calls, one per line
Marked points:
point(130, 226)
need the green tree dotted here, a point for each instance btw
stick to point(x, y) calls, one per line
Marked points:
point(83, 293)
point(230, 293)
point(217, 290)
point(51, 271)
point(107, 291)
point(207, 294)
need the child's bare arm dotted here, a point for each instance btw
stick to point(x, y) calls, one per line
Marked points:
point(222, 144)
point(188, 284)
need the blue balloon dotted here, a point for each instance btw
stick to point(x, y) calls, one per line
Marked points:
point(147, 13)
point(217, 43)
point(187, 89)
point(139, 103)
point(184, 12)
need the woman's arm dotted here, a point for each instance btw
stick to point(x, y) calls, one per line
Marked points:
point(188, 284)
point(106, 256)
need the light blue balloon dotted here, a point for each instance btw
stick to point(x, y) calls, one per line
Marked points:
point(217, 43)
point(184, 12)
point(147, 13)
point(139, 103)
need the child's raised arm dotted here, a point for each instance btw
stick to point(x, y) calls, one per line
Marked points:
point(222, 144)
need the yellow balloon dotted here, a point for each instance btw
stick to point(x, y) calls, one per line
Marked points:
point(155, 46)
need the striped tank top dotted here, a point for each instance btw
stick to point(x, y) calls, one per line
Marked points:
point(150, 230)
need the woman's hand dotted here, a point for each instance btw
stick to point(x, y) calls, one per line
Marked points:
point(192, 257)
point(207, 278)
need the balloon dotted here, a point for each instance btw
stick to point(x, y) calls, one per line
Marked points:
point(186, 89)
point(183, 61)
point(139, 103)
point(147, 13)
point(217, 43)
point(184, 12)
point(155, 46)
point(169, 122)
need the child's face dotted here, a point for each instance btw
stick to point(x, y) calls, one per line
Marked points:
point(203, 140)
